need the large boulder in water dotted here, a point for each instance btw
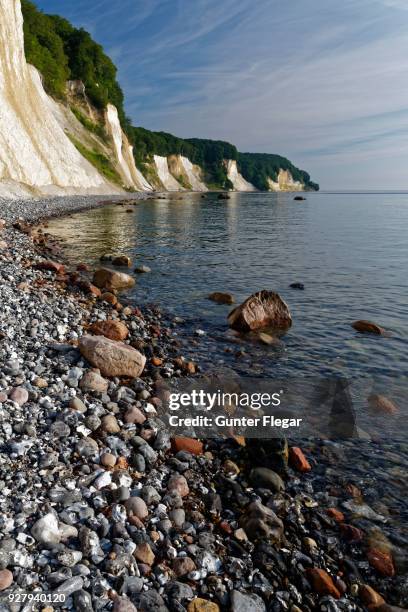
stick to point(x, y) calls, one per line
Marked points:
point(112, 280)
point(112, 358)
point(261, 310)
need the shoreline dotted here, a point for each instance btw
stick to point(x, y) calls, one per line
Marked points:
point(37, 210)
point(90, 444)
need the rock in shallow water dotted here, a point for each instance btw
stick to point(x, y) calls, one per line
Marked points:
point(261, 310)
point(261, 523)
point(111, 280)
point(221, 298)
point(368, 327)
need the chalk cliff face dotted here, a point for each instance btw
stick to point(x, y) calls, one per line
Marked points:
point(238, 181)
point(163, 172)
point(123, 153)
point(285, 182)
point(187, 174)
point(36, 156)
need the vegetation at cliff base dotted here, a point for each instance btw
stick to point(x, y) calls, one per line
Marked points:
point(95, 128)
point(99, 161)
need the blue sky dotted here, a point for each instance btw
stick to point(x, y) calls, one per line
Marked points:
point(322, 82)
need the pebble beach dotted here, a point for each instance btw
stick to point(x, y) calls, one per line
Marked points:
point(102, 510)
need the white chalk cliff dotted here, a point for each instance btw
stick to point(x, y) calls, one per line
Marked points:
point(36, 156)
point(188, 175)
point(163, 172)
point(285, 182)
point(238, 181)
point(123, 151)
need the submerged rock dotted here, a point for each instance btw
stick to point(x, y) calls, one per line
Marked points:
point(261, 310)
point(142, 269)
point(381, 561)
point(272, 453)
point(221, 298)
point(381, 404)
point(261, 523)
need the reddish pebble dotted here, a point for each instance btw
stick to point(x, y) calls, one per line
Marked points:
point(179, 484)
point(189, 367)
point(180, 443)
point(19, 395)
point(122, 463)
point(94, 290)
point(322, 583)
point(381, 561)
point(369, 597)
point(298, 460)
point(156, 361)
point(335, 514)
point(183, 566)
point(351, 533)
point(226, 527)
point(6, 579)
point(134, 415)
point(112, 329)
point(109, 298)
point(51, 266)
